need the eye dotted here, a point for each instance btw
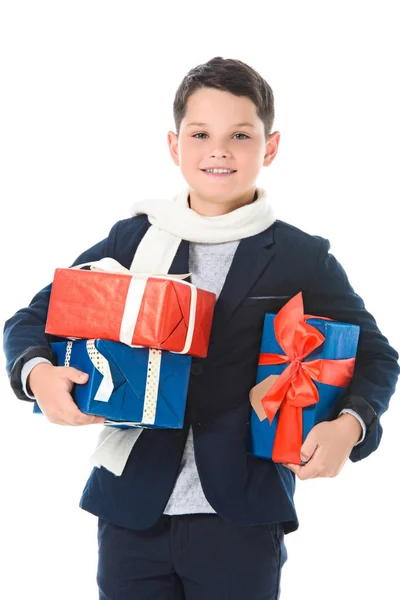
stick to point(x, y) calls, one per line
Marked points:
point(196, 134)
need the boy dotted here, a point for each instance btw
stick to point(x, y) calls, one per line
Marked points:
point(192, 515)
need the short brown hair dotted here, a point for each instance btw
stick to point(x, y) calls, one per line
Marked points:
point(228, 75)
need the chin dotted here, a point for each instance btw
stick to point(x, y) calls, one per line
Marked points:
point(216, 189)
point(213, 194)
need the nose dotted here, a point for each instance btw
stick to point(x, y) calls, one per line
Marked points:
point(219, 154)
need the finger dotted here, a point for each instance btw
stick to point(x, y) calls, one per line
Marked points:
point(310, 470)
point(79, 418)
point(70, 413)
point(75, 375)
point(57, 421)
point(292, 467)
point(83, 419)
point(293, 470)
point(96, 420)
point(309, 447)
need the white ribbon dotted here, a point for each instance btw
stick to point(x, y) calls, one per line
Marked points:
point(100, 363)
point(110, 265)
point(152, 385)
point(135, 295)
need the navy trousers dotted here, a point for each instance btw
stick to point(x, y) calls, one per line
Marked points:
point(190, 557)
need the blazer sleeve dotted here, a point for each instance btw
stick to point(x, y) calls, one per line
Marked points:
point(376, 370)
point(24, 333)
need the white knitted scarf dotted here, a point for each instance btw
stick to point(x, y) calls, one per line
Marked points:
point(171, 222)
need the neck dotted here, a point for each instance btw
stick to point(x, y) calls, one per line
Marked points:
point(211, 208)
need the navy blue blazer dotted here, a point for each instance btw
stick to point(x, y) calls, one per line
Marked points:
point(267, 270)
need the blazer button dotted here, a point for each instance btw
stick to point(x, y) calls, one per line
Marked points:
point(196, 369)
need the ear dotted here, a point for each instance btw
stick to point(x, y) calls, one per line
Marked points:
point(173, 146)
point(271, 148)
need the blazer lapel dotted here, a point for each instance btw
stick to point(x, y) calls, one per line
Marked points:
point(252, 257)
point(180, 264)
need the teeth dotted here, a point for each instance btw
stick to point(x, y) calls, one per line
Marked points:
point(219, 170)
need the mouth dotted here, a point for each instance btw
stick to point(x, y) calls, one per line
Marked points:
point(219, 175)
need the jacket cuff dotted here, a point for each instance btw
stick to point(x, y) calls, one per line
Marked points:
point(359, 419)
point(371, 421)
point(25, 372)
point(16, 371)
point(361, 407)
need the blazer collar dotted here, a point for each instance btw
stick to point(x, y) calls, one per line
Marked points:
point(252, 257)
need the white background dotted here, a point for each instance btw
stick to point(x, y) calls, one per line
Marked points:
point(86, 103)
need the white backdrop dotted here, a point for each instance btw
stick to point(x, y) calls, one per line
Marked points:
point(86, 103)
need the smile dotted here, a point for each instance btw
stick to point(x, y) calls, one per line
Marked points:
point(218, 172)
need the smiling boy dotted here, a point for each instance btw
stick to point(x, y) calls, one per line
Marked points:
point(189, 513)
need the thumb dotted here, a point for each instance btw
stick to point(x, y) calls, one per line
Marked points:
point(76, 376)
point(309, 447)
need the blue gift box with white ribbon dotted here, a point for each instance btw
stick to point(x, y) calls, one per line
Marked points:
point(130, 387)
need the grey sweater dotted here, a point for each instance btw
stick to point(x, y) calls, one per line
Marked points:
point(209, 265)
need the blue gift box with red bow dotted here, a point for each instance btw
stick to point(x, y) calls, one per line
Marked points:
point(306, 364)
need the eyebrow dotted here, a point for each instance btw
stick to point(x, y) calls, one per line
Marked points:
point(245, 124)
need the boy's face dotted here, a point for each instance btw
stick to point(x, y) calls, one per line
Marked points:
point(217, 141)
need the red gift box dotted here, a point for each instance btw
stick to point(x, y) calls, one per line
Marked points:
point(154, 311)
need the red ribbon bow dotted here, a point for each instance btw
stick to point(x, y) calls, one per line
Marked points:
point(295, 389)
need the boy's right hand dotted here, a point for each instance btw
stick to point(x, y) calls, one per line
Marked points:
point(52, 387)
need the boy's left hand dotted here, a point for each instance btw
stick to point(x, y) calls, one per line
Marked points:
point(327, 447)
